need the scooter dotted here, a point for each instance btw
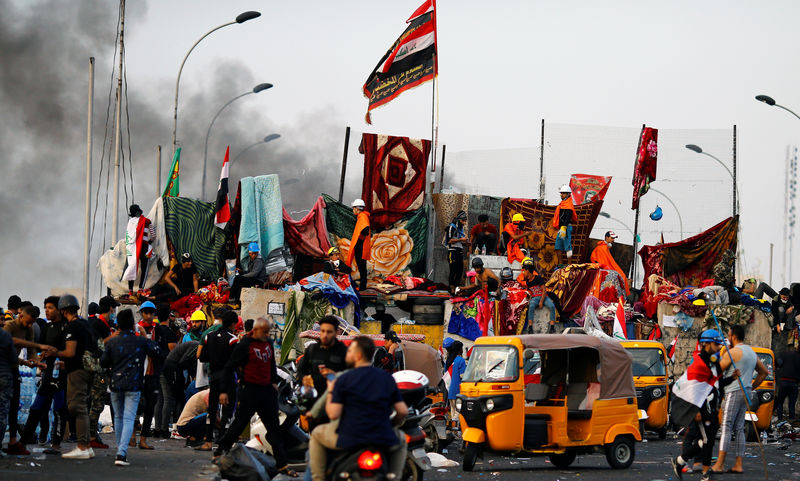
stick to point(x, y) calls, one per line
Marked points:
point(413, 387)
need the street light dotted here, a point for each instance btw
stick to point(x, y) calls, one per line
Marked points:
point(608, 216)
point(771, 102)
point(696, 148)
point(258, 88)
point(241, 18)
point(680, 220)
point(266, 139)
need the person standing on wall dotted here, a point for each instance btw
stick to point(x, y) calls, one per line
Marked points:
point(455, 240)
point(360, 242)
point(563, 220)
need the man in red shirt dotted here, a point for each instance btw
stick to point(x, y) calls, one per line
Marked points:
point(484, 236)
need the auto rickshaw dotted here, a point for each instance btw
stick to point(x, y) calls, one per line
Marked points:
point(650, 380)
point(582, 402)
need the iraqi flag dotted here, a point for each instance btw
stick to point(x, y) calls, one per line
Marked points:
point(223, 207)
point(409, 62)
point(620, 331)
point(671, 350)
point(691, 390)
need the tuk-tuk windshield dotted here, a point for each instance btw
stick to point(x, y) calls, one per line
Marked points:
point(767, 360)
point(647, 362)
point(492, 364)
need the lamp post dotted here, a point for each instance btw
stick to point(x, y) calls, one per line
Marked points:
point(771, 102)
point(608, 216)
point(258, 88)
point(241, 18)
point(268, 138)
point(696, 148)
point(680, 220)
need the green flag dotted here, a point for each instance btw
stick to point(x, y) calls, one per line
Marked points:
point(173, 182)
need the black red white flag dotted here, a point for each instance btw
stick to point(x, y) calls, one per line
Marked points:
point(409, 62)
point(691, 390)
point(223, 207)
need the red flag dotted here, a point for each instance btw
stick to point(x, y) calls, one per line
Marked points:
point(620, 330)
point(672, 349)
point(644, 171)
point(223, 207)
point(587, 188)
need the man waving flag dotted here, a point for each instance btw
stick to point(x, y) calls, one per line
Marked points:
point(409, 62)
point(223, 208)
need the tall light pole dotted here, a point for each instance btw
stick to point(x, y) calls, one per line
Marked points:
point(696, 148)
point(608, 216)
point(268, 138)
point(680, 220)
point(771, 102)
point(241, 18)
point(258, 88)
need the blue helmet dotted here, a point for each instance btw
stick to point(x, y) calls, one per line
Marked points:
point(448, 342)
point(711, 335)
point(253, 247)
point(147, 305)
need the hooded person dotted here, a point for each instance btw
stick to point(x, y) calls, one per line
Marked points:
point(563, 219)
point(254, 276)
point(360, 242)
point(602, 255)
point(139, 235)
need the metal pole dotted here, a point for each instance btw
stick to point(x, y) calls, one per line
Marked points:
point(158, 171)
point(205, 149)
point(117, 130)
point(89, 138)
point(735, 210)
point(785, 216)
point(344, 163)
point(441, 175)
point(737, 266)
point(680, 220)
point(178, 82)
point(636, 218)
point(771, 249)
point(541, 165)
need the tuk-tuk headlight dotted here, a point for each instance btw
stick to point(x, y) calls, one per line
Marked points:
point(489, 404)
point(657, 392)
point(766, 396)
point(458, 404)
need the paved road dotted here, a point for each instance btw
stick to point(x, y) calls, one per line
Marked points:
point(171, 461)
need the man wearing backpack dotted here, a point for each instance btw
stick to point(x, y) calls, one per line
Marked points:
point(79, 379)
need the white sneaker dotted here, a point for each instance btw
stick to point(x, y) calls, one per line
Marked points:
point(79, 453)
point(121, 461)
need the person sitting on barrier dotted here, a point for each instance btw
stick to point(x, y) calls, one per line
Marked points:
point(335, 266)
point(484, 279)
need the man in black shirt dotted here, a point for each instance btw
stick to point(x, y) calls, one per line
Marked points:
point(217, 351)
point(184, 277)
point(101, 325)
point(327, 355)
point(79, 380)
point(788, 379)
point(166, 339)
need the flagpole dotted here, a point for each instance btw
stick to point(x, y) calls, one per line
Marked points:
point(117, 130)
point(431, 182)
point(636, 219)
point(89, 139)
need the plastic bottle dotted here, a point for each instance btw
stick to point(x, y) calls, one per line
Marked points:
point(483, 250)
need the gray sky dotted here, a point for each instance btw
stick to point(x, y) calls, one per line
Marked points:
point(503, 66)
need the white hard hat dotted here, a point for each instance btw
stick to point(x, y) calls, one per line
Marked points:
point(359, 203)
point(565, 189)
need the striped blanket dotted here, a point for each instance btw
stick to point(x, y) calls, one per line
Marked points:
point(190, 227)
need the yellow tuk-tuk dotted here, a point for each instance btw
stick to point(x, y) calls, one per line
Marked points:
point(582, 402)
point(650, 380)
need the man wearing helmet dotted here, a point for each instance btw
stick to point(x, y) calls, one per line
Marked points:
point(360, 243)
point(255, 275)
point(335, 266)
point(562, 220)
point(514, 235)
point(484, 279)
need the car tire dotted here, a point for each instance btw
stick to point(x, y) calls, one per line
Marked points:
point(564, 460)
point(621, 452)
point(471, 451)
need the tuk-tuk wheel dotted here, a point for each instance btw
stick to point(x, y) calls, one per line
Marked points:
point(471, 451)
point(563, 460)
point(620, 453)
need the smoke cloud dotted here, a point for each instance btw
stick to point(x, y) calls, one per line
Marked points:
point(44, 51)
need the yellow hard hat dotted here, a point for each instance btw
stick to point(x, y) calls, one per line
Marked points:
point(333, 250)
point(527, 261)
point(198, 315)
point(518, 218)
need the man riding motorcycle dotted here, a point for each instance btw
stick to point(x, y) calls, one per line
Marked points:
point(323, 357)
point(359, 403)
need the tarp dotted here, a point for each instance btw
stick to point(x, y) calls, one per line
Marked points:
point(571, 285)
point(541, 243)
point(190, 226)
point(261, 214)
point(337, 289)
point(690, 261)
point(397, 250)
point(307, 236)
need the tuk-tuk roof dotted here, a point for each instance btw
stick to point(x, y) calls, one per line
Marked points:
point(642, 343)
point(615, 362)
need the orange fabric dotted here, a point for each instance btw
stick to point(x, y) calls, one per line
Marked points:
point(362, 221)
point(602, 255)
point(513, 250)
point(564, 204)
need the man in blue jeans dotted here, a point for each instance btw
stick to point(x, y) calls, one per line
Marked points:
point(9, 373)
point(124, 357)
